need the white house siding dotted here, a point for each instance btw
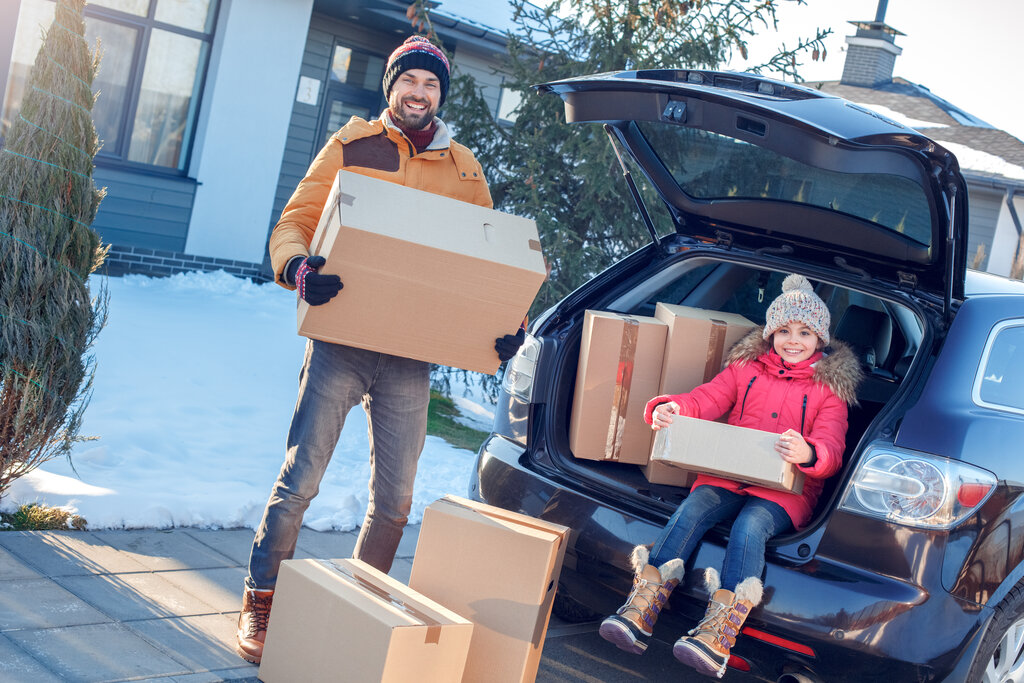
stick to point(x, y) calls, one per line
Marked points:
point(484, 69)
point(984, 206)
point(248, 100)
point(1004, 245)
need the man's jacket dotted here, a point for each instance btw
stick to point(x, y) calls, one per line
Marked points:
point(380, 150)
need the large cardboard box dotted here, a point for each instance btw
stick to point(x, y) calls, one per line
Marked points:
point(499, 569)
point(698, 341)
point(661, 472)
point(738, 453)
point(619, 371)
point(426, 276)
point(344, 620)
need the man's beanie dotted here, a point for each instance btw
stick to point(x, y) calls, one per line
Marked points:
point(798, 303)
point(417, 53)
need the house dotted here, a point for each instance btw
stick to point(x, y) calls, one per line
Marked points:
point(210, 111)
point(991, 160)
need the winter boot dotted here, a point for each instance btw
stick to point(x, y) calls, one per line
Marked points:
point(707, 647)
point(634, 621)
point(252, 623)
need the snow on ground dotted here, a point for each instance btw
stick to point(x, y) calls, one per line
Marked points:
point(195, 385)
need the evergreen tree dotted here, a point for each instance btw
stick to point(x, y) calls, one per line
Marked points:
point(567, 177)
point(48, 319)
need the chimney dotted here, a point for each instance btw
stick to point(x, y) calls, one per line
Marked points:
point(872, 52)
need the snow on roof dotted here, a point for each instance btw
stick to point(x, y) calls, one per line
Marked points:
point(975, 160)
point(900, 118)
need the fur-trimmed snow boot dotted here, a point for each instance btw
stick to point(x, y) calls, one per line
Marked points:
point(633, 623)
point(707, 646)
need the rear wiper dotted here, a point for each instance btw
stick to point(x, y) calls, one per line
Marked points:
point(644, 213)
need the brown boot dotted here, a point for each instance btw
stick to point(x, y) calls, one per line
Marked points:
point(708, 645)
point(252, 623)
point(634, 621)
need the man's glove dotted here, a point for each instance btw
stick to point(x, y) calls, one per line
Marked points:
point(314, 288)
point(508, 345)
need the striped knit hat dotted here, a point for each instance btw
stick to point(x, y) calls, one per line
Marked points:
point(798, 303)
point(417, 53)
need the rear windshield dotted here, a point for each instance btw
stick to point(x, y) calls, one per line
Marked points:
point(712, 166)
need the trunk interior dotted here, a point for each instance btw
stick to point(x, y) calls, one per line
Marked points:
point(884, 335)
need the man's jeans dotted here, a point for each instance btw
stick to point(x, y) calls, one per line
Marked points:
point(334, 378)
point(757, 520)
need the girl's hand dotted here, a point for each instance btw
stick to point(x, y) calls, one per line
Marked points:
point(662, 415)
point(792, 447)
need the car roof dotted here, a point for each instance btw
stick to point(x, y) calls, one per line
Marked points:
point(803, 129)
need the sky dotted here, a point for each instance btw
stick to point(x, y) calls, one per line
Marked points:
point(965, 53)
point(195, 384)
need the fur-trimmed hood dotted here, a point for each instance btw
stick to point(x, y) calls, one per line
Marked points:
point(838, 369)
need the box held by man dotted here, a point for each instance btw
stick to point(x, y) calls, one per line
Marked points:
point(425, 276)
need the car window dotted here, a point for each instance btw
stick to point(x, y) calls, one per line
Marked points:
point(1000, 382)
point(710, 166)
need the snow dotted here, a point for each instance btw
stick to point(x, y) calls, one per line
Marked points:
point(195, 385)
point(971, 159)
point(900, 118)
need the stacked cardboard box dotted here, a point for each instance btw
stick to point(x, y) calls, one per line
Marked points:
point(499, 569)
point(698, 342)
point(426, 276)
point(738, 453)
point(344, 620)
point(619, 371)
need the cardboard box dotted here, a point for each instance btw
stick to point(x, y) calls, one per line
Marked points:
point(426, 276)
point(738, 453)
point(499, 569)
point(698, 341)
point(619, 372)
point(661, 472)
point(344, 620)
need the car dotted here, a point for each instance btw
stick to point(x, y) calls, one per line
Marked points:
point(912, 568)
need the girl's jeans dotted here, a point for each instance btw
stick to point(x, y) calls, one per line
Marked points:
point(757, 520)
point(334, 378)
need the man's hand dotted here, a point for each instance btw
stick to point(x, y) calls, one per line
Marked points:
point(508, 345)
point(314, 288)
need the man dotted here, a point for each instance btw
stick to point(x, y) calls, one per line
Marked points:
point(408, 145)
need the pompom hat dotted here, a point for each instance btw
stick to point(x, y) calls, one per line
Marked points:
point(798, 303)
point(417, 53)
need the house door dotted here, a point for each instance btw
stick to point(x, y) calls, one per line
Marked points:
point(353, 89)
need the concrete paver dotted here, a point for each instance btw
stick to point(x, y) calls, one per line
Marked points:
point(165, 549)
point(18, 665)
point(221, 587)
point(98, 652)
point(41, 603)
point(126, 597)
point(67, 553)
point(202, 643)
point(12, 568)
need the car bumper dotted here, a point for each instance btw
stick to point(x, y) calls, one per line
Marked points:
point(837, 621)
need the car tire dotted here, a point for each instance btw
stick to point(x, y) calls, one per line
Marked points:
point(1001, 655)
point(568, 608)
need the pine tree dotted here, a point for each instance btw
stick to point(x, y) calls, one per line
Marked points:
point(48, 319)
point(567, 177)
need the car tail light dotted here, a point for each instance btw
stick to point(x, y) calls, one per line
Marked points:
point(916, 489)
point(519, 373)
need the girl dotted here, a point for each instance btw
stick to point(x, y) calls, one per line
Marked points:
point(776, 379)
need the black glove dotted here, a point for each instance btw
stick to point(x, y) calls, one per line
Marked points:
point(508, 345)
point(314, 288)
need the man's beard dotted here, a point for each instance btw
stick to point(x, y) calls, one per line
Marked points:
point(412, 121)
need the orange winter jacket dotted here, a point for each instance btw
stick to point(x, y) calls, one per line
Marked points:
point(377, 149)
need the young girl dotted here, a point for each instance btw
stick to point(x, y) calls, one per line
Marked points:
point(777, 379)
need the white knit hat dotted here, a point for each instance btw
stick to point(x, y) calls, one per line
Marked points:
point(798, 303)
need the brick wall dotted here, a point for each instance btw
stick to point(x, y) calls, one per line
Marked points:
point(867, 66)
point(123, 260)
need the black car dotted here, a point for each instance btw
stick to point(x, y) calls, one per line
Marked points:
point(911, 569)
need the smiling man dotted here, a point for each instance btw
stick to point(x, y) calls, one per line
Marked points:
point(410, 146)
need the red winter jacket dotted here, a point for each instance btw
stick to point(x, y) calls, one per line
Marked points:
point(760, 391)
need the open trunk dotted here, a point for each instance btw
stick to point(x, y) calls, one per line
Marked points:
point(885, 330)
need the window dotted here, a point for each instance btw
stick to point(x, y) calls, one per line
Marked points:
point(1000, 383)
point(154, 55)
